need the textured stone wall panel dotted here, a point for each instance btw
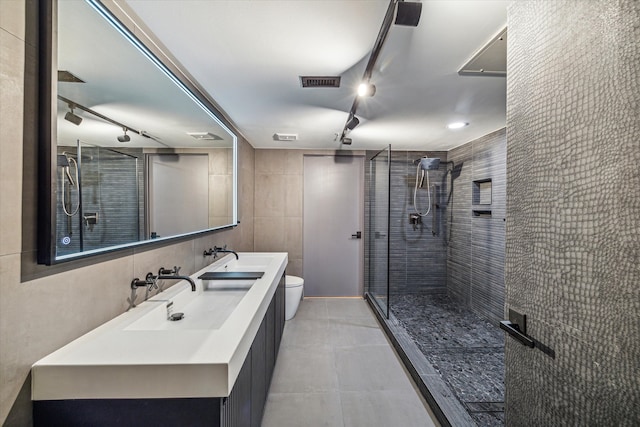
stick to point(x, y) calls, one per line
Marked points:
point(573, 211)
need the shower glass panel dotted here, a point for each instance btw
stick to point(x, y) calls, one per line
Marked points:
point(378, 230)
point(102, 206)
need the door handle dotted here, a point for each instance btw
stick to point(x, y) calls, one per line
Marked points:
point(358, 235)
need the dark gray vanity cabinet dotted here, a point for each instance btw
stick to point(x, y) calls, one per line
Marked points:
point(245, 405)
point(243, 408)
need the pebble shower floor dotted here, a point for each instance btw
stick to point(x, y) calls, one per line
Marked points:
point(466, 350)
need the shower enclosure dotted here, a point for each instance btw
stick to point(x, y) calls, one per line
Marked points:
point(377, 250)
point(454, 352)
point(98, 198)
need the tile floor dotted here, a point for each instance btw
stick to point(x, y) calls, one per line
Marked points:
point(336, 368)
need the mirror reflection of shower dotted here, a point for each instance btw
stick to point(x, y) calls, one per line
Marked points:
point(69, 180)
point(425, 164)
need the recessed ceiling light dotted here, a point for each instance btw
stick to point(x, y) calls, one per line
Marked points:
point(457, 125)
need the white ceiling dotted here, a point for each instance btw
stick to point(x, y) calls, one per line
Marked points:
point(248, 55)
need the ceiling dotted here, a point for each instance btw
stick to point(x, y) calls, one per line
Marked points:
point(249, 54)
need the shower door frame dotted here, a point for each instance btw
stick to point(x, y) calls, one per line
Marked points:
point(371, 233)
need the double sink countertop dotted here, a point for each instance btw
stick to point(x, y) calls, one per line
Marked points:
point(141, 354)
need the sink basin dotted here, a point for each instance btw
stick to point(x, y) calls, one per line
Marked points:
point(231, 275)
point(208, 311)
point(227, 285)
point(139, 353)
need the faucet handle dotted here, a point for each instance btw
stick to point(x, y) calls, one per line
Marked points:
point(164, 271)
point(152, 281)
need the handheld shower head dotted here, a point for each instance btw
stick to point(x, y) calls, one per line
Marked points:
point(63, 161)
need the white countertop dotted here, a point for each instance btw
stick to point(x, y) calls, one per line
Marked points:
point(140, 354)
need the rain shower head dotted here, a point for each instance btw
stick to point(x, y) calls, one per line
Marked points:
point(428, 164)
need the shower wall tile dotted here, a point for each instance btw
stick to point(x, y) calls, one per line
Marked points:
point(476, 244)
point(417, 258)
point(573, 219)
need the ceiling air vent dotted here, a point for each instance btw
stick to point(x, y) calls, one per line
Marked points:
point(205, 136)
point(322, 81)
point(285, 137)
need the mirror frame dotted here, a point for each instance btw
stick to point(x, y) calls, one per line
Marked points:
point(47, 133)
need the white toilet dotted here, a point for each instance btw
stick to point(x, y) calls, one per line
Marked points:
point(293, 294)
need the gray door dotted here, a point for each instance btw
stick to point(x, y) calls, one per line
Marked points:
point(174, 211)
point(333, 212)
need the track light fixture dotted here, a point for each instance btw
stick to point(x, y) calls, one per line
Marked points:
point(73, 118)
point(125, 137)
point(366, 89)
point(351, 124)
point(408, 13)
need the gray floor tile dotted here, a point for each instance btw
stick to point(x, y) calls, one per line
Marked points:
point(307, 333)
point(303, 410)
point(301, 370)
point(342, 308)
point(384, 408)
point(336, 368)
point(355, 331)
point(312, 308)
point(370, 368)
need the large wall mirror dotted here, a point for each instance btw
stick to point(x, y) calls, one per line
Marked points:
point(133, 154)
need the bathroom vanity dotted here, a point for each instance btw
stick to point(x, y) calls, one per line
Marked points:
point(213, 367)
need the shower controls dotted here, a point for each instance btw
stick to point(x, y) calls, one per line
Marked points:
point(90, 219)
point(415, 219)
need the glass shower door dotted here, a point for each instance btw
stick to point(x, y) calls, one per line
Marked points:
point(378, 229)
point(109, 194)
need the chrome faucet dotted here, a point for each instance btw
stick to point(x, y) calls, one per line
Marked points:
point(164, 273)
point(217, 250)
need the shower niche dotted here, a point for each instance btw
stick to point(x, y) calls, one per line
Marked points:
point(481, 194)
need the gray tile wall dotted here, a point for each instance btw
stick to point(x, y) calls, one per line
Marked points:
point(466, 258)
point(475, 262)
point(573, 218)
point(417, 258)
